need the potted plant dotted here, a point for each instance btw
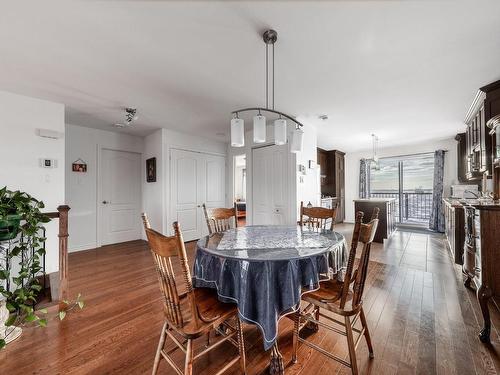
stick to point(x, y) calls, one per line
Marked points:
point(21, 241)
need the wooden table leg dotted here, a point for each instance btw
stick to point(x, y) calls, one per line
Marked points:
point(276, 366)
point(483, 295)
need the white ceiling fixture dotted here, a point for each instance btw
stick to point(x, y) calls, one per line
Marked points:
point(259, 121)
point(130, 115)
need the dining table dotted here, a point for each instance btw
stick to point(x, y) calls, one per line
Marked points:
point(265, 269)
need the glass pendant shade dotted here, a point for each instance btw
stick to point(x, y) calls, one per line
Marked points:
point(279, 132)
point(297, 141)
point(237, 132)
point(259, 129)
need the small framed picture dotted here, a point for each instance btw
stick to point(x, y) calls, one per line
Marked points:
point(151, 170)
point(78, 166)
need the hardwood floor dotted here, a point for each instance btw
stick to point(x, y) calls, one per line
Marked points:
point(422, 320)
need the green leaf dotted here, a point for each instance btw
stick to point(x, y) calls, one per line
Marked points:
point(42, 322)
point(31, 318)
point(43, 311)
point(81, 304)
point(2, 343)
point(10, 307)
point(4, 274)
point(10, 321)
point(62, 314)
point(36, 287)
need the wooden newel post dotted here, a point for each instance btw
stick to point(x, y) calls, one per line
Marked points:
point(63, 254)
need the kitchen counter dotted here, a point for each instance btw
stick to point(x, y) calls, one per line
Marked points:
point(387, 215)
point(476, 203)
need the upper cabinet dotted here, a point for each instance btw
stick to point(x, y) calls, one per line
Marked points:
point(478, 145)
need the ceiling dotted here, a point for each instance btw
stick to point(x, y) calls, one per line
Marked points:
point(406, 70)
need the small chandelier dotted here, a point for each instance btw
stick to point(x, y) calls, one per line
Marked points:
point(259, 120)
point(375, 152)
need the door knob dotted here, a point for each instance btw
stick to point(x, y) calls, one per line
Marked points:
point(105, 202)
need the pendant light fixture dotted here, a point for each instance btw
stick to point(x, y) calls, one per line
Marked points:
point(374, 150)
point(279, 132)
point(297, 140)
point(237, 132)
point(259, 128)
point(259, 121)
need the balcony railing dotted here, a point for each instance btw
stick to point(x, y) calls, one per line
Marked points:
point(416, 207)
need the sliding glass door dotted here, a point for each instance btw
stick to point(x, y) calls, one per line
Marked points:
point(409, 179)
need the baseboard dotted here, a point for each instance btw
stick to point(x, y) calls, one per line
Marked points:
point(88, 246)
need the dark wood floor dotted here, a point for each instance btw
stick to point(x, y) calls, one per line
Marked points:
point(422, 319)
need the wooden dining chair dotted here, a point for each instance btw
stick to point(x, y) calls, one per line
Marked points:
point(318, 217)
point(337, 297)
point(192, 314)
point(221, 219)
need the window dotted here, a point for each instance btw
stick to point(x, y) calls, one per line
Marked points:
point(409, 179)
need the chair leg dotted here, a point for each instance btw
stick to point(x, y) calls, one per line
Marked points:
point(350, 345)
point(367, 333)
point(241, 346)
point(160, 347)
point(296, 324)
point(188, 368)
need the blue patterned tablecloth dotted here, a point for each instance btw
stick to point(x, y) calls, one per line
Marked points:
point(264, 269)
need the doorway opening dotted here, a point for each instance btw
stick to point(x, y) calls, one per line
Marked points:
point(240, 187)
point(409, 179)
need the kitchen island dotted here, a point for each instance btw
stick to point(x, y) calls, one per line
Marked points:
point(387, 215)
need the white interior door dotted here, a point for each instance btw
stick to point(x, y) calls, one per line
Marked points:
point(269, 185)
point(196, 178)
point(120, 198)
point(215, 184)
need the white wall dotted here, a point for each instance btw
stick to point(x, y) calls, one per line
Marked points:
point(81, 188)
point(352, 167)
point(20, 151)
point(153, 192)
point(157, 195)
point(308, 188)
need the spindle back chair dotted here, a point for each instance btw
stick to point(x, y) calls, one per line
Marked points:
point(337, 297)
point(191, 314)
point(318, 217)
point(220, 219)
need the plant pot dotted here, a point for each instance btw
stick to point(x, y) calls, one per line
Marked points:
point(9, 226)
point(7, 333)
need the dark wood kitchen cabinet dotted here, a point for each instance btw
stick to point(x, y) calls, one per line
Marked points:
point(387, 215)
point(461, 157)
point(481, 257)
point(332, 178)
point(454, 218)
point(479, 147)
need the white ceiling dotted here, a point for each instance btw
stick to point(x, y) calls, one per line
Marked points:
point(406, 70)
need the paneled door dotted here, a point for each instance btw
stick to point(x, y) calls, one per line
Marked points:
point(195, 178)
point(120, 196)
point(269, 185)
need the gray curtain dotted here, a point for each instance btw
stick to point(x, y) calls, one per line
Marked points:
point(364, 178)
point(436, 221)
